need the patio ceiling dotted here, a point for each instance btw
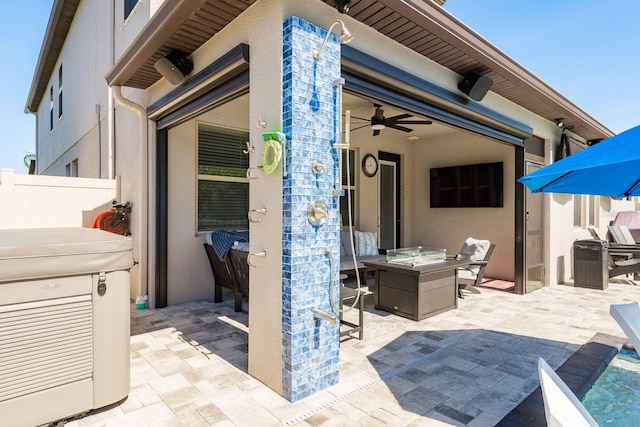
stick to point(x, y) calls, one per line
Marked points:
point(422, 25)
point(428, 29)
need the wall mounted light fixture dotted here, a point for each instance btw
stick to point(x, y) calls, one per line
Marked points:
point(345, 37)
point(559, 122)
point(174, 66)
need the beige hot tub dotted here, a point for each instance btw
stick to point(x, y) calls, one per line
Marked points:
point(64, 322)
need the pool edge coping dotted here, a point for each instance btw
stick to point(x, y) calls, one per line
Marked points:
point(579, 372)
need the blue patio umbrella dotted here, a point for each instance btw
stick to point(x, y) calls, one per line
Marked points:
point(609, 168)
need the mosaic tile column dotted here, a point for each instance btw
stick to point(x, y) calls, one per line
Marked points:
point(310, 346)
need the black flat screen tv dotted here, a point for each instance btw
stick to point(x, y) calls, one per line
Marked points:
point(467, 186)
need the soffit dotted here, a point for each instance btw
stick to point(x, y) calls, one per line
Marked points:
point(421, 25)
point(178, 24)
point(428, 29)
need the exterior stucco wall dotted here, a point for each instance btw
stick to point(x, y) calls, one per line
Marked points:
point(262, 14)
point(445, 228)
point(131, 165)
point(560, 264)
point(86, 57)
point(81, 93)
point(126, 30)
point(448, 227)
point(189, 273)
point(83, 131)
point(265, 305)
point(261, 27)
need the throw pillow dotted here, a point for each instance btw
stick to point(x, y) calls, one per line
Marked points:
point(366, 243)
point(345, 244)
point(473, 250)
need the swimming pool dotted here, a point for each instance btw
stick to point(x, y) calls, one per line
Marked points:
point(614, 398)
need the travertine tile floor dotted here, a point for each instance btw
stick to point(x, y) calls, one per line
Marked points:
point(469, 366)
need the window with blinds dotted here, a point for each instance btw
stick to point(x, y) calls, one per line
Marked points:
point(348, 155)
point(223, 188)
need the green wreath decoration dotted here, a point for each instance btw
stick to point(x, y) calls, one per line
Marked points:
point(271, 155)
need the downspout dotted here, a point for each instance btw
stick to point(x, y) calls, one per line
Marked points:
point(110, 137)
point(110, 106)
point(143, 185)
point(99, 126)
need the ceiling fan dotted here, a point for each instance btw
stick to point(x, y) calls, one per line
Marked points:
point(378, 121)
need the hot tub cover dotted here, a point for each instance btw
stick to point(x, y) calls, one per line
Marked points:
point(52, 252)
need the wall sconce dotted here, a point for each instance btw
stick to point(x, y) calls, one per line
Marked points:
point(174, 67)
point(345, 37)
point(559, 122)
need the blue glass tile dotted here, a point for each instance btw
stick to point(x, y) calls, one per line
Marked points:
point(310, 353)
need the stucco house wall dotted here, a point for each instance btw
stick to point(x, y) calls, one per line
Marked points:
point(266, 102)
point(447, 227)
point(75, 135)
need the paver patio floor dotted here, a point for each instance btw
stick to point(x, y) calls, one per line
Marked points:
point(469, 366)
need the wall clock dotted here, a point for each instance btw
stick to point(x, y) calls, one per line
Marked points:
point(369, 165)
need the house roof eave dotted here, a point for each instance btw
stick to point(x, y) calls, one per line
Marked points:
point(456, 33)
point(62, 14)
point(163, 33)
point(170, 16)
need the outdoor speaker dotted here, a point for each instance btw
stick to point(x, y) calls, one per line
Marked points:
point(174, 67)
point(475, 86)
point(343, 6)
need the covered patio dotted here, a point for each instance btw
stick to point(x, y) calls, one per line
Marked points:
point(470, 366)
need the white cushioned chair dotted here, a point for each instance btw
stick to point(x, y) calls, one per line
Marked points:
point(479, 252)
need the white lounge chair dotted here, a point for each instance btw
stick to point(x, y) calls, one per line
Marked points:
point(561, 407)
point(628, 317)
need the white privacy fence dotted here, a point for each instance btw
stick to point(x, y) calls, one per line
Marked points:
point(35, 201)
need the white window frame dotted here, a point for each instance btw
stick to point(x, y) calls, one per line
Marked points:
point(353, 187)
point(586, 211)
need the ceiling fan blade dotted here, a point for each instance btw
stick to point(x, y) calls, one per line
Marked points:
point(402, 128)
point(361, 118)
point(398, 117)
point(414, 122)
point(360, 127)
point(376, 132)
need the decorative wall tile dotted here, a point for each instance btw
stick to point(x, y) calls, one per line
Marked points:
point(310, 346)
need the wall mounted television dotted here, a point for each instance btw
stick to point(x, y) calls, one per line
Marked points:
point(468, 186)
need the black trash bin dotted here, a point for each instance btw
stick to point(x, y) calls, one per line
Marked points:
point(590, 264)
